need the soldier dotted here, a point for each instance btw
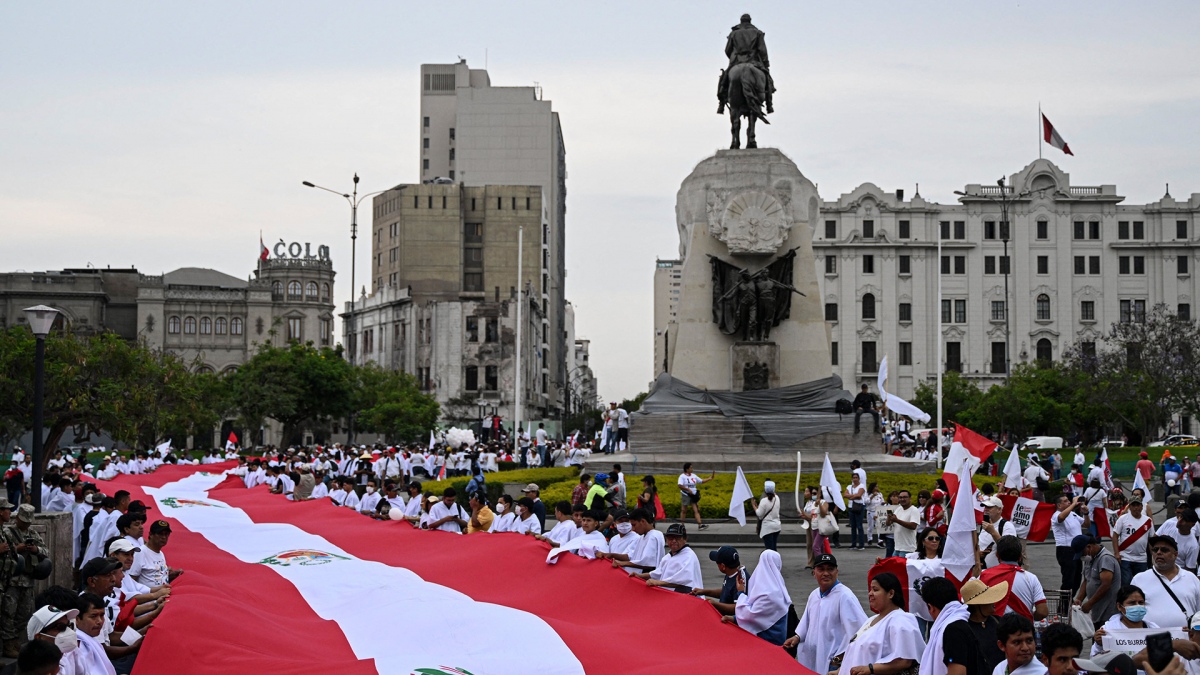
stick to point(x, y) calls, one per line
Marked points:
point(23, 542)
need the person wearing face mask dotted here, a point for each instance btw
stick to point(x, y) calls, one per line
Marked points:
point(88, 624)
point(1100, 587)
point(50, 624)
point(625, 539)
point(647, 551)
point(370, 499)
point(1131, 604)
point(525, 522)
point(506, 513)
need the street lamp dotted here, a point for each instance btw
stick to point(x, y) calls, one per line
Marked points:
point(354, 201)
point(41, 319)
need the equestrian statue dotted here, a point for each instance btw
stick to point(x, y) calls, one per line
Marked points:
point(745, 86)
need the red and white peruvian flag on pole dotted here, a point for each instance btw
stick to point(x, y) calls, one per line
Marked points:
point(1051, 136)
point(1030, 518)
point(912, 572)
point(1108, 481)
point(262, 248)
point(968, 448)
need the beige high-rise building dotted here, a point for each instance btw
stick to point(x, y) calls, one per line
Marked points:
point(476, 134)
point(668, 275)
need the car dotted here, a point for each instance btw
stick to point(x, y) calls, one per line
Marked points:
point(1176, 439)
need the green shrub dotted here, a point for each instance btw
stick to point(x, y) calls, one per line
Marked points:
point(543, 478)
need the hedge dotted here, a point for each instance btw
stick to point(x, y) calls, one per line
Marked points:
point(495, 481)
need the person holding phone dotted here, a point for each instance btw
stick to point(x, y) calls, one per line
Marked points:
point(689, 493)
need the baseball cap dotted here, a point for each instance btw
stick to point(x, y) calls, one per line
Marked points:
point(96, 567)
point(46, 616)
point(825, 559)
point(1163, 539)
point(139, 505)
point(122, 546)
point(1115, 663)
point(1194, 624)
point(532, 487)
point(726, 555)
point(160, 527)
point(938, 494)
point(1080, 542)
point(993, 501)
point(677, 530)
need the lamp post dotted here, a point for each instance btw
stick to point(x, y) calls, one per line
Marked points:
point(354, 201)
point(40, 318)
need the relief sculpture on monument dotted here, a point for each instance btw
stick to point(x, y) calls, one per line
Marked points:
point(752, 302)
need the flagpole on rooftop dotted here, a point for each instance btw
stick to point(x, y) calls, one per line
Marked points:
point(520, 303)
point(941, 364)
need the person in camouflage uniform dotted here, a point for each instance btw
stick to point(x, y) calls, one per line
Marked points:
point(17, 604)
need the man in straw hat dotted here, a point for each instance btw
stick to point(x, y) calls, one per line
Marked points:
point(953, 645)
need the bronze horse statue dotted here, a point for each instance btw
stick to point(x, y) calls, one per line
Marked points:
point(746, 85)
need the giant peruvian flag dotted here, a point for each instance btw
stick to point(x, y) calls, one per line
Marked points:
point(274, 586)
point(969, 449)
point(1031, 518)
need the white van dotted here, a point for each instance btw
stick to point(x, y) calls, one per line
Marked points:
point(1043, 443)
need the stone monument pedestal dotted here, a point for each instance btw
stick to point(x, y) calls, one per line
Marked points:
point(754, 366)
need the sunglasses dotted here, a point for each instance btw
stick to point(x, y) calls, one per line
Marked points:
point(933, 538)
point(1162, 549)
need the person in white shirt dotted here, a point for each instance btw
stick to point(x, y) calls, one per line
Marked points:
point(1168, 608)
point(591, 542)
point(506, 514)
point(622, 429)
point(626, 539)
point(447, 515)
point(320, 490)
point(831, 617)
point(89, 623)
point(1130, 535)
point(679, 569)
point(1079, 459)
point(906, 520)
point(1185, 538)
point(564, 530)
point(1067, 524)
point(994, 526)
point(103, 527)
point(395, 501)
point(526, 521)
point(689, 493)
point(1015, 635)
point(149, 564)
point(370, 499)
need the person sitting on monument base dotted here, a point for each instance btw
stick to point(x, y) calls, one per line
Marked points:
point(865, 403)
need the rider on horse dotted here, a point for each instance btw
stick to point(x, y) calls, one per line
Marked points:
point(746, 44)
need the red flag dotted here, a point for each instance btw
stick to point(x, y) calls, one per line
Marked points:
point(1031, 518)
point(262, 248)
point(1052, 137)
point(912, 573)
point(1104, 520)
point(968, 446)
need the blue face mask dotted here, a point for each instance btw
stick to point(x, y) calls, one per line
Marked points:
point(1135, 613)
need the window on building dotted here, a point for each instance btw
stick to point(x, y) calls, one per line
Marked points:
point(1078, 229)
point(425, 164)
point(989, 264)
point(1043, 264)
point(1043, 229)
point(473, 257)
point(295, 330)
point(277, 290)
point(472, 329)
point(870, 364)
point(189, 325)
point(425, 123)
point(294, 290)
point(960, 264)
point(1043, 307)
point(989, 229)
point(451, 157)
point(1181, 229)
point(833, 353)
point(425, 143)
point(221, 326)
point(1088, 348)
point(205, 326)
point(868, 229)
point(999, 349)
point(451, 133)
point(868, 264)
point(325, 292)
point(1133, 311)
point(960, 311)
point(235, 326)
point(528, 203)
point(946, 311)
point(491, 378)
point(1044, 352)
point(868, 306)
point(491, 329)
point(1123, 264)
point(1126, 311)
point(831, 229)
point(1094, 229)
point(954, 356)
point(1080, 265)
point(904, 229)
point(1139, 229)
point(945, 264)
point(173, 325)
point(1087, 310)
point(1183, 311)
point(311, 290)
point(1139, 264)
point(326, 331)
point(1122, 229)
point(944, 229)
point(905, 264)
point(905, 312)
point(831, 313)
point(960, 229)
point(1094, 264)
point(1181, 264)
point(1003, 260)
point(473, 282)
point(471, 377)
point(997, 310)
point(831, 264)
point(905, 354)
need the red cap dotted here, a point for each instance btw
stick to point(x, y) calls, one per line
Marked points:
point(938, 494)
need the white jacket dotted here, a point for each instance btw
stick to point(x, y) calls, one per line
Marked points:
point(768, 513)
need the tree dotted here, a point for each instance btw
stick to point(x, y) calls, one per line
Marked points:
point(390, 403)
point(1034, 401)
point(959, 395)
point(299, 386)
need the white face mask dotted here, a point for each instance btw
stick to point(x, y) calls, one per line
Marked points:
point(370, 490)
point(500, 507)
point(66, 641)
point(624, 528)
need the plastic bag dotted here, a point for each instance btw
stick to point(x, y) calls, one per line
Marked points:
point(1081, 622)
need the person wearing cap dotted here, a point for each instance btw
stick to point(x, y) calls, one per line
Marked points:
point(1172, 593)
point(534, 493)
point(597, 494)
point(980, 601)
point(18, 601)
point(733, 580)
point(150, 564)
point(1065, 525)
point(564, 529)
point(88, 503)
point(1172, 472)
point(525, 522)
point(57, 627)
point(104, 525)
point(994, 526)
point(1100, 585)
point(831, 617)
point(647, 551)
point(1120, 663)
point(1025, 594)
point(625, 538)
point(391, 496)
point(934, 513)
point(305, 483)
point(1130, 535)
point(889, 642)
point(123, 551)
point(679, 568)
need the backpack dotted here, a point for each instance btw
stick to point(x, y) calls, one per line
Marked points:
point(843, 406)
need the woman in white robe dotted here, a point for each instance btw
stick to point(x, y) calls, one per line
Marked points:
point(889, 642)
point(763, 610)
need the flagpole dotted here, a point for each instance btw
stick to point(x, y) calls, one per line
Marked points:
point(941, 365)
point(520, 303)
point(1041, 142)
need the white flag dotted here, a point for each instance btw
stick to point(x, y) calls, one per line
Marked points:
point(883, 380)
point(741, 492)
point(830, 486)
point(895, 403)
point(431, 439)
point(1012, 470)
point(1139, 482)
point(958, 555)
point(163, 448)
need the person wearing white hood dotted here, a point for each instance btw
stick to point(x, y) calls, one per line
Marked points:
point(952, 648)
point(763, 610)
point(889, 642)
point(768, 514)
point(831, 617)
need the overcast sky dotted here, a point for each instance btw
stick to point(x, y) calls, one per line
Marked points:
point(165, 135)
